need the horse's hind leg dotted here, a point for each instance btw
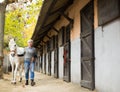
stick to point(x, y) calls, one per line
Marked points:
point(20, 72)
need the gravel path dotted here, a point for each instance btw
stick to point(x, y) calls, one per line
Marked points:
point(44, 83)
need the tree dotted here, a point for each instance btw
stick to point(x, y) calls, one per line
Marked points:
point(2, 17)
point(20, 23)
point(3, 4)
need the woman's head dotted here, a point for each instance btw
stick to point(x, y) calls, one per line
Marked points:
point(30, 42)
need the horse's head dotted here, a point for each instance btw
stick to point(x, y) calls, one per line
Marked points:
point(12, 46)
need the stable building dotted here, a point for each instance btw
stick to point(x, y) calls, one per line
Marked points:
point(79, 42)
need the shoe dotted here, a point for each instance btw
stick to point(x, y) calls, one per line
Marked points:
point(26, 82)
point(32, 82)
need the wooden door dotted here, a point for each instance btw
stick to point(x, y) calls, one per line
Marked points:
point(67, 63)
point(49, 63)
point(56, 53)
point(41, 63)
point(87, 46)
point(45, 63)
point(56, 68)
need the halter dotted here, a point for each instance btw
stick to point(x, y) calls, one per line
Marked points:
point(14, 52)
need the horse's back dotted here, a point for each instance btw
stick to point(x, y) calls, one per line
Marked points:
point(20, 51)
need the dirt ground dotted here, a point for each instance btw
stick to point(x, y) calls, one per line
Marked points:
point(44, 83)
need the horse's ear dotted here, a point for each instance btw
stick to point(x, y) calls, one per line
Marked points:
point(9, 37)
point(15, 39)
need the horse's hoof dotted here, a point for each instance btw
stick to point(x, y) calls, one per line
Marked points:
point(20, 80)
point(12, 82)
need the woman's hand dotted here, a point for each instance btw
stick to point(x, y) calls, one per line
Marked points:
point(32, 59)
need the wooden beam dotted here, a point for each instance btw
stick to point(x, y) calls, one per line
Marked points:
point(48, 36)
point(64, 15)
point(55, 29)
point(40, 45)
point(58, 10)
point(50, 24)
point(45, 32)
point(46, 28)
point(39, 36)
point(53, 2)
point(44, 42)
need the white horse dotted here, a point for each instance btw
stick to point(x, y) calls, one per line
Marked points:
point(16, 59)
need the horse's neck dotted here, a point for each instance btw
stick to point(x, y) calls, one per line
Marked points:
point(19, 47)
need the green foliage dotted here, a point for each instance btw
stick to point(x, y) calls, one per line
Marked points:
point(20, 23)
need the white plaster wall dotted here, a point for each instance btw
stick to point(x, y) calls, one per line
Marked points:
point(47, 63)
point(52, 63)
point(61, 62)
point(75, 61)
point(107, 57)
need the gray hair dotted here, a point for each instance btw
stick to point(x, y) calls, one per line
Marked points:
point(30, 41)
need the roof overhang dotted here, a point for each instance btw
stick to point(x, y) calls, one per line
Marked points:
point(49, 15)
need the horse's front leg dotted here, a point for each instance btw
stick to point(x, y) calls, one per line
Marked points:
point(15, 72)
point(12, 65)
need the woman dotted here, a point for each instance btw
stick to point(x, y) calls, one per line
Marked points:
point(29, 58)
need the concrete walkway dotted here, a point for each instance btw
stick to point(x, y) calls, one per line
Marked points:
point(44, 83)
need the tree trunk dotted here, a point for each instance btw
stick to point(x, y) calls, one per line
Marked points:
point(2, 22)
